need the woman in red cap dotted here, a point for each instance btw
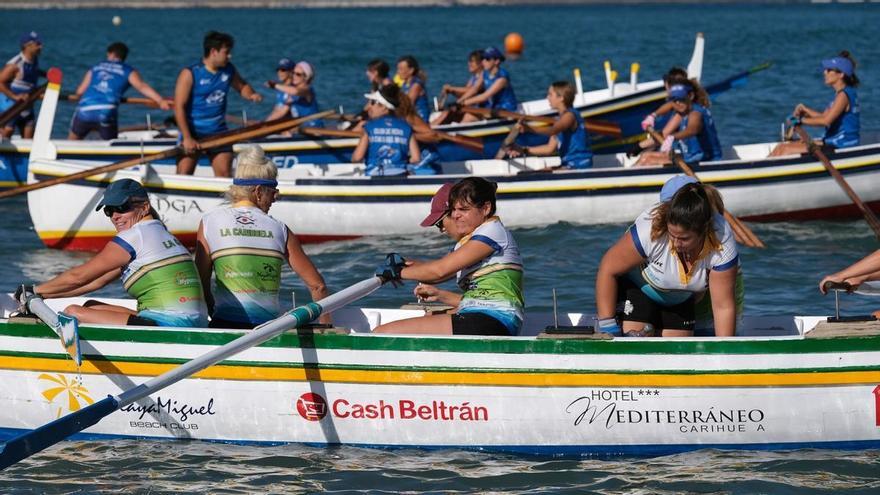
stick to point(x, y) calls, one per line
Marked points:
point(485, 261)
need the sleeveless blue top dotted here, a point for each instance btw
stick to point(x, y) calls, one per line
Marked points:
point(844, 131)
point(206, 108)
point(301, 107)
point(282, 99)
point(101, 99)
point(473, 81)
point(705, 146)
point(504, 99)
point(25, 79)
point(388, 152)
point(574, 145)
point(421, 103)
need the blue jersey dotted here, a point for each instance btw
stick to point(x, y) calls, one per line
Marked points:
point(705, 146)
point(844, 131)
point(420, 103)
point(301, 106)
point(24, 82)
point(504, 99)
point(388, 152)
point(101, 99)
point(282, 99)
point(574, 145)
point(471, 83)
point(206, 108)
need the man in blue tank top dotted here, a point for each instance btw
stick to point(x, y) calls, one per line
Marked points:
point(200, 103)
point(17, 79)
point(100, 93)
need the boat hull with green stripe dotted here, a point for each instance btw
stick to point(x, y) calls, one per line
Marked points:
point(782, 383)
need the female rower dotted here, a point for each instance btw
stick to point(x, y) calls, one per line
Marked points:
point(245, 247)
point(155, 267)
point(414, 85)
point(377, 74)
point(840, 118)
point(568, 136)
point(387, 146)
point(492, 86)
point(303, 101)
point(485, 259)
point(475, 67)
point(691, 130)
point(282, 100)
point(658, 118)
point(664, 264)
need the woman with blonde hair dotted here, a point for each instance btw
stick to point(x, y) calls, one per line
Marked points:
point(244, 248)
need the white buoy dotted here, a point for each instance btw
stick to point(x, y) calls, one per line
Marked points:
point(117, 20)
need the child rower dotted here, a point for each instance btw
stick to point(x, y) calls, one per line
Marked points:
point(492, 86)
point(388, 145)
point(840, 118)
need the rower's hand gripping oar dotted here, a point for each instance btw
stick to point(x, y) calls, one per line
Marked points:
point(29, 443)
point(741, 231)
point(65, 326)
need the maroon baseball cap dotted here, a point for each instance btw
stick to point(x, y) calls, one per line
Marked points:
point(439, 205)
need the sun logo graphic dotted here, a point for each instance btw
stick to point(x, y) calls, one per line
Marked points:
point(311, 407)
point(70, 395)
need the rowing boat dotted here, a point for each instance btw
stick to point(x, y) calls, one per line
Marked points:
point(781, 383)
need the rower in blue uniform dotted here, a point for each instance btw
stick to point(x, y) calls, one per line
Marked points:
point(475, 68)
point(17, 79)
point(568, 136)
point(691, 130)
point(414, 85)
point(284, 71)
point(200, 103)
point(840, 118)
point(301, 96)
point(388, 145)
point(100, 92)
point(493, 86)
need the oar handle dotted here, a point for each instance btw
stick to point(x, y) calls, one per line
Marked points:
point(594, 126)
point(844, 286)
point(19, 106)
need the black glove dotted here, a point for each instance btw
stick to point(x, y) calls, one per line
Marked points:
point(634, 150)
point(390, 270)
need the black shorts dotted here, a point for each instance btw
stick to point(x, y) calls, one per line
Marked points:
point(477, 324)
point(221, 323)
point(107, 129)
point(141, 321)
point(634, 305)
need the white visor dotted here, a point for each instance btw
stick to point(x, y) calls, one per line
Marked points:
point(377, 97)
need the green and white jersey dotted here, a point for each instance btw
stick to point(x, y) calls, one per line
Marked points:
point(248, 248)
point(493, 285)
point(161, 274)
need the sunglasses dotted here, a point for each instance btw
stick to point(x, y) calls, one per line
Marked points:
point(833, 70)
point(439, 222)
point(126, 207)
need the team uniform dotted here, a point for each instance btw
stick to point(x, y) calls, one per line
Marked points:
point(162, 277)
point(573, 146)
point(282, 99)
point(504, 99)
point(248, 249)
point(661, 292)
point(206, 107)
point(472, 81)
point(25, 81)
point(492, 302)
point(98, 106)
point(388, 150)
point(301, 106)
point(844, 131)
point(420, 103)
point(705, 146)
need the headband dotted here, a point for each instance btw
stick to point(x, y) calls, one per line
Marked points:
point(255, 182)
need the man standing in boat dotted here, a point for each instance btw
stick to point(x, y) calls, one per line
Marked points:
point(200, 103)
point(17, 79)
point(100, 92)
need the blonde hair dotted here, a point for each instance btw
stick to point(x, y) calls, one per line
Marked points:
point(252, 164)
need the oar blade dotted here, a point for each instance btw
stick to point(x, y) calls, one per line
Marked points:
point(68, 331)
point(28, 444)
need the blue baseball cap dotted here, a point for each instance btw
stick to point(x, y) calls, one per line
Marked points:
point(842, 64)
point(31, 37)
point(678, 92)
point(120, 191)
point(493, 53)
point(286, 64)
point(673, 185)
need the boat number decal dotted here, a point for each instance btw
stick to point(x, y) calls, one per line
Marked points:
point(70, 394)
point(169, 414)
point(610, 408)
point(314, 407)
point(284, 161)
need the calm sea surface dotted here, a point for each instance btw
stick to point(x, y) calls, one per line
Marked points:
point(780, 279)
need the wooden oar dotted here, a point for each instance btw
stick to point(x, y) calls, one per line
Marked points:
point(741, 231)
point(508, 141)
point(21, 105)
point(838, 177)
point(133, 100)
point(225, 139)
point(30, 443)
point(594, 126)
point(464, 141)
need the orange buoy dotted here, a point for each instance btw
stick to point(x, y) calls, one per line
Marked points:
point(513, 44)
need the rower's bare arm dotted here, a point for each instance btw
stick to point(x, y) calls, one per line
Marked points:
point(721, 286)
point(6, 77)
point(436, 271)
point(204, 265)
point(91, 275)
point(546, 149)
point(245, 90)
point(472, 90)
point(83, 85)
point(494, 89)
point(181, 97)
point(565, 122)
point(415, 154)
point(431, 293)
point(415, 90)
point(826, 118)
point(138, 83)
point(695, 125)
point(360, 150)
point(619, 259)
point(671, 125)
point(291, 90)
point(300, 262)
point(455, 90)
point(867, 266)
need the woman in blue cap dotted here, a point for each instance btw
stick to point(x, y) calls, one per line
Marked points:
point(653, 277)
point(840, 118)
point(156, 269)
point(691, 131)
point(492, 86)
point(245, 248)
point(282, 100)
